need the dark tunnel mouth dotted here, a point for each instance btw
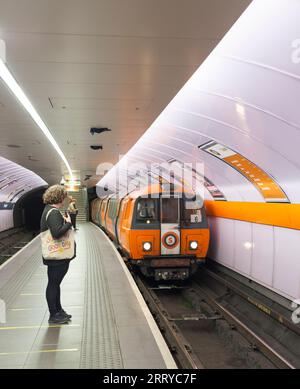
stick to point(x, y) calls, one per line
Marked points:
point(28, 210)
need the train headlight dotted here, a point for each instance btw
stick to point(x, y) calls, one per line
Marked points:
point(147, 246)
point(193, 245)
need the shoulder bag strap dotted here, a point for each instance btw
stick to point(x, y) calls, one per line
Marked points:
point(48, 213)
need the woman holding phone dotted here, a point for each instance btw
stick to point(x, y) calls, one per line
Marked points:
point(56, 233)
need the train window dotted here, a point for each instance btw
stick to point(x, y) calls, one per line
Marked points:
point(192, 212)
point(146, 211)
point(112, 208)
point(169, 210)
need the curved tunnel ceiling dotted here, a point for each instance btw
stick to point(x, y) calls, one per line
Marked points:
point(244, 97)
point(15, 182)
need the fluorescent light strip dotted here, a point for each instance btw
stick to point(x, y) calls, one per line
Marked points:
point(12, 84)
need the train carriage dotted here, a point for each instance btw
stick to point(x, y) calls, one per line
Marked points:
point(164, 233)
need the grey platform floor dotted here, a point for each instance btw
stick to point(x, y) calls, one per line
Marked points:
point(111, 325)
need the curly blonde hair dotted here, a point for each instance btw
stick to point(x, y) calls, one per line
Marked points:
point(55, 194)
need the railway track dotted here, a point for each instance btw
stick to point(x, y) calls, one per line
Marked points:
point(178, 344)
point(256, 342)
point(203, 329)
point(12, 241)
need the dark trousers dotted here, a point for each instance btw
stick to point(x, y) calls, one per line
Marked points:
point(55, 276)
point(73, 219)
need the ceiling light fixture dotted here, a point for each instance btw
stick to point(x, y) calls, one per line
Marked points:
point(12, 84)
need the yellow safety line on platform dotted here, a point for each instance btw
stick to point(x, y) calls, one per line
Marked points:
point(43, 294)
point(37, 327)
point(41, 351)
point(42, 308)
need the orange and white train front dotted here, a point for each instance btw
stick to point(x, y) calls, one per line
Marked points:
point(166, 234)
point(175, 237)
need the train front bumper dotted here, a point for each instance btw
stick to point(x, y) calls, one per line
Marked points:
point(173, 267)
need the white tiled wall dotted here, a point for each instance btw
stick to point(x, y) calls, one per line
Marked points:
point(222, 231)
point(269, 255)
point(286, 273)
point(243, 247)
point(263, 253)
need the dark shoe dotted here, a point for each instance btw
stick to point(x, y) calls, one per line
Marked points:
point(65, 314)
point(58, 318)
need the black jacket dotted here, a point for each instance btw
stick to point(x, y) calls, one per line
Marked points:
point(58, 227)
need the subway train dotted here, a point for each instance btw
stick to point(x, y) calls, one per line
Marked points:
point(165, 234)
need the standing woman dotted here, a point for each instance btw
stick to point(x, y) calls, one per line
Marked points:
point(56, 243)
point(72, 210)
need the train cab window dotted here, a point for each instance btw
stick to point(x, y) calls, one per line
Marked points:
point(192, 212)
point(146, 211)
point(170, 210)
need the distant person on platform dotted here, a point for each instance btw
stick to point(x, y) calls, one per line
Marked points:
point(58, 248)
point(73, 211)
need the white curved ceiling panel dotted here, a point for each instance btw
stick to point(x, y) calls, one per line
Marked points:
point(251, 122)
point(15, 181)
point(244, 96)
point(267, 28)
point(237, 84)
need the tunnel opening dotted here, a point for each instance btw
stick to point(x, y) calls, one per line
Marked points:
point(28, 211)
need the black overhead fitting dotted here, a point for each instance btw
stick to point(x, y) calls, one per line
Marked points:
point(99, 130)
point(96, 147)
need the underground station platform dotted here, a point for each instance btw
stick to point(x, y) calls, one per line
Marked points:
point(111, 327)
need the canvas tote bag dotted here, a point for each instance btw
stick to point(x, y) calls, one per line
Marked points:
point(63, 248)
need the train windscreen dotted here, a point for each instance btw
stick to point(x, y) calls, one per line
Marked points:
point(146, 211)
point(192, 212)
point(169, 210)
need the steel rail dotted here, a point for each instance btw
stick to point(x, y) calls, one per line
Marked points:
point(254, 301)
point(254, 339)
point(176, 341)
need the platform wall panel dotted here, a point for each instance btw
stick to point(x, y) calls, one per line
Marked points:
point(266, 254)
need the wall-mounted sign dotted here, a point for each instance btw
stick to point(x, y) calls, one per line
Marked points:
point(262, 181)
